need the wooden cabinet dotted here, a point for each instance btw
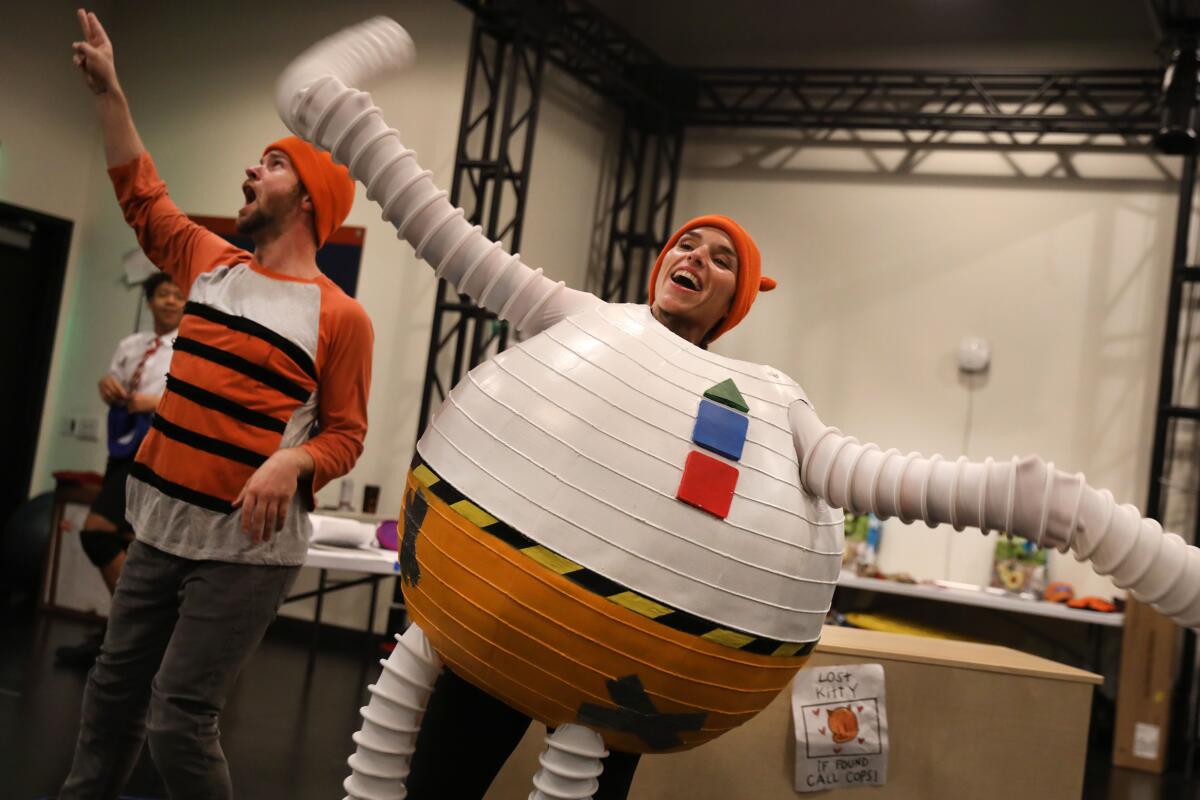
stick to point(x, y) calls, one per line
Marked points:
point(965, 720)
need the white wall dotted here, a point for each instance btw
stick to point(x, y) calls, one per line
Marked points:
point(882, 275)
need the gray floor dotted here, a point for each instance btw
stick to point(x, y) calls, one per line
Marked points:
point(286, 732)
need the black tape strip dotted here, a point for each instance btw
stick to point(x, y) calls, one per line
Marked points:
point(444, 491)
point(636, 713)
point(595, 582)
point(259, 373)
point(206, 443)
point(223, 405)
point(248, 326)
point(179, 491)
point(509, 535)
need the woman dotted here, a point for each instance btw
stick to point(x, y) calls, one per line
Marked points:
point(703, 285)
point(612, 530)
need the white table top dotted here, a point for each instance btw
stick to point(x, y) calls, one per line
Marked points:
point(378, 561)
point(374, 560)
point(982, 598)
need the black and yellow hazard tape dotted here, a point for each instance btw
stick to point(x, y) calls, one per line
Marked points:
point(594, 582)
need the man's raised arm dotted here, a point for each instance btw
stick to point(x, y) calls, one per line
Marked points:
point(174, 243)
point(94, 57)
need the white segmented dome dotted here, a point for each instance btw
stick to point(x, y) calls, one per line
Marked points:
point(577, 438)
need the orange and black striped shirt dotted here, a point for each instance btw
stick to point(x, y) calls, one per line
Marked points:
point(262, 361)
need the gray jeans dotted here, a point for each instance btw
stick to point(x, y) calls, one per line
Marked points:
point(179, 633)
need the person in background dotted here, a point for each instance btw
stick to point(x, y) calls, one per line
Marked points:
point(131, 388)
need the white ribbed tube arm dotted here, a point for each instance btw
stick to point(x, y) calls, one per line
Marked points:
point(316, 100)
point(1024, 496)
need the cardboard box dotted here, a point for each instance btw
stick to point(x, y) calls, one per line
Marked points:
point(965, 720)
point(1149, 656)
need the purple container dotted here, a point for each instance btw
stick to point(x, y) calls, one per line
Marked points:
point(387, 535)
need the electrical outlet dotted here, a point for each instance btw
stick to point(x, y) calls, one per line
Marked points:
point(87, 428)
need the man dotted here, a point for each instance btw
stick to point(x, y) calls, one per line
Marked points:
point(268, 350)
point(131, 388)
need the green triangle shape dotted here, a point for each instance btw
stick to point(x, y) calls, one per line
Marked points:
point(726, 393)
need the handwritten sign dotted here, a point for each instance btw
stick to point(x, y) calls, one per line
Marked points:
point(841, 727)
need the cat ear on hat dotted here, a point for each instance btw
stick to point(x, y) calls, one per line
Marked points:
point(766, 284)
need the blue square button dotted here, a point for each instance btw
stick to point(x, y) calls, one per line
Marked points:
point(720, 429)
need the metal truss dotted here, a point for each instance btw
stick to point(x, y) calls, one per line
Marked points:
point(1173, 497)
point(1178, 400)
point(643, 204)
point(1029, 108)
point(586, 45)
point(491, 180)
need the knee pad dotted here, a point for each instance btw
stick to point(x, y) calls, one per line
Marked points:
point(101, 547)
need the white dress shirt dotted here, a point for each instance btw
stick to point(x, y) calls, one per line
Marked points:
point(129, 354)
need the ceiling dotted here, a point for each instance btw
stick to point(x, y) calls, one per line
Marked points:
point(903, 34)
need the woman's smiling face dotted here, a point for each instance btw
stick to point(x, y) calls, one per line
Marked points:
point(697, 282)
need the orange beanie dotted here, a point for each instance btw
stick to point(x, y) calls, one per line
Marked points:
point(328, 184)
point(750, 280)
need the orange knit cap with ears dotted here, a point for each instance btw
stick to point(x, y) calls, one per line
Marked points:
point(328, 184)
point(750, 280)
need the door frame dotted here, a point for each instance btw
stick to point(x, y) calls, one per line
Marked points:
point(50, 248)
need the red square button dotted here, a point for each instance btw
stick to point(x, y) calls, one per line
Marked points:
point(707, 484)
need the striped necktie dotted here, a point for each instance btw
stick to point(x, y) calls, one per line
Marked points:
point(136, 380)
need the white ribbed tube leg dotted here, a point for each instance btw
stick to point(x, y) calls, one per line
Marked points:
point(1026, 497)
point(392, 719)
point(315, 100)
point(570, 765)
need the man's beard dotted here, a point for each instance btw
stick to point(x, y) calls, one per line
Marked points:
point(263, 221)
point(253, 223)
